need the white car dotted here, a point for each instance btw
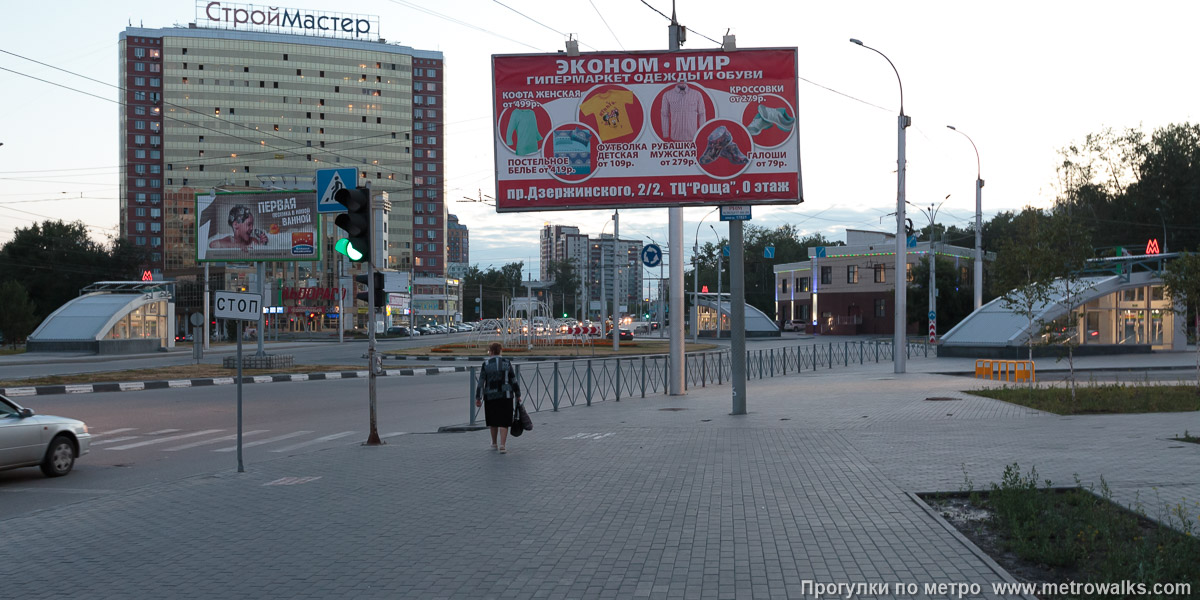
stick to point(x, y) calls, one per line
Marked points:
point(31, 440)
point(794, 325)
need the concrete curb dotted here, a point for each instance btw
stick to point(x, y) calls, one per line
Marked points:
point(460, 428)
point(133, 386)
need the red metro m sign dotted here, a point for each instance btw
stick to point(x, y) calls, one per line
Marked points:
point(1152, 247)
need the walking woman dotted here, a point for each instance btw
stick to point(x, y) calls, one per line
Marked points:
point(498, 387)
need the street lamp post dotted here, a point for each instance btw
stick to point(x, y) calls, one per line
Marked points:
point(978, 267)
point(898, 337)
point(696, 278)
point(932, 215)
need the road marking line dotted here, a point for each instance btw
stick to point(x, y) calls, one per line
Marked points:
point(223, 381)
point(292, 480)
point(167, 439)
point(224, 438)
point(263, 379)
point(388, 435)
point(21, 391)
point(333, 375)
point(162, 431)
point(79, 388)
point(267, 441)
point(316, 441)
point(114, 440)
point(132, 386)
point(121, 430)
point(179, 383)
point(300, 377)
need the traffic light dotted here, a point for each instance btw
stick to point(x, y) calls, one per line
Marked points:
point(356, 222)
point(380, 293)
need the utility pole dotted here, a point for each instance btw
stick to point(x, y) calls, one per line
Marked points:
point(675, 240)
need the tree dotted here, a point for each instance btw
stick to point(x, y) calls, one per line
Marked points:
point(498, 287)
point(954, 302)
point(1182, 282)
point(1129, 187)
point(54, 260)
point(566, 282)
point(17, 320)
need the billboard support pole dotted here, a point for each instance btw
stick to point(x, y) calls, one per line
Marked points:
point(737, 325)
point(675, 240)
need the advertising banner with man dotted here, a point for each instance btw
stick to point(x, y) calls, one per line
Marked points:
point(257, 226)
point(633, 130)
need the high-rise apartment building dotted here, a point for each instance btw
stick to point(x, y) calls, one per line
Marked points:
point(458, 248)
point(628, 276)
point(551, 248)
point(211, 108)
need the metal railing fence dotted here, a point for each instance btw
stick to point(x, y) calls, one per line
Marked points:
point(555, 384)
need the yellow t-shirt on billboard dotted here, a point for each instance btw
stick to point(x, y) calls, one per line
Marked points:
point(612, 118)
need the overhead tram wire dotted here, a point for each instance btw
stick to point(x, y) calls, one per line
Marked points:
point(537, 21)
point(462, 23)
point(606, 25)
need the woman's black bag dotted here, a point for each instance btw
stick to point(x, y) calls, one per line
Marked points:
point(520, 421)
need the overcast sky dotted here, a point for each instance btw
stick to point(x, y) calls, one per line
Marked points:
point(1023, 79)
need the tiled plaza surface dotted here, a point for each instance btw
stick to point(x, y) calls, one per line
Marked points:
point(617, 500)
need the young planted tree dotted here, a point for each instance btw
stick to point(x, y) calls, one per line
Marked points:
point(1070, 246)
point(1024, 268)
point(1182, 280)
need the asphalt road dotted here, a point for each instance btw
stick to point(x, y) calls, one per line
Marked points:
point(151, 436)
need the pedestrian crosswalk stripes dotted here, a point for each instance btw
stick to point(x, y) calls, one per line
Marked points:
point(129, 438)
point(286, 436)
point(164, 440)
point(326, 438)
point(224, 438)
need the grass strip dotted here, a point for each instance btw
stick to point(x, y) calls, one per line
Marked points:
point(1084, 536)
point(1100, 399)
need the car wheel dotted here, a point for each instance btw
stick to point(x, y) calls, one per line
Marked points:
point(60, 457)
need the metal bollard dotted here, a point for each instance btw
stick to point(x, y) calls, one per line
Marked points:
point(471, 396)
point(643, 376)
point(555, 399)
point(588, 391)
point(617, 385)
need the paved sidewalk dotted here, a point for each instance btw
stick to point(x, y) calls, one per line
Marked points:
point(644, 498)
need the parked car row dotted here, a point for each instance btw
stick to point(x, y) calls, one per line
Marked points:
point(407, 331)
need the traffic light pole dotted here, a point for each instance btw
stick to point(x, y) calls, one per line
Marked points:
point(372, 358)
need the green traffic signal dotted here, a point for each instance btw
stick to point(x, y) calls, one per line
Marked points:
point(356, 222)
point(345, 247)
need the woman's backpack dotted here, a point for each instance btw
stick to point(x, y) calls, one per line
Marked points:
point(494, 376)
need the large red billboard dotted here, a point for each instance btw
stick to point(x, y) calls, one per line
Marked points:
point(633, 130)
